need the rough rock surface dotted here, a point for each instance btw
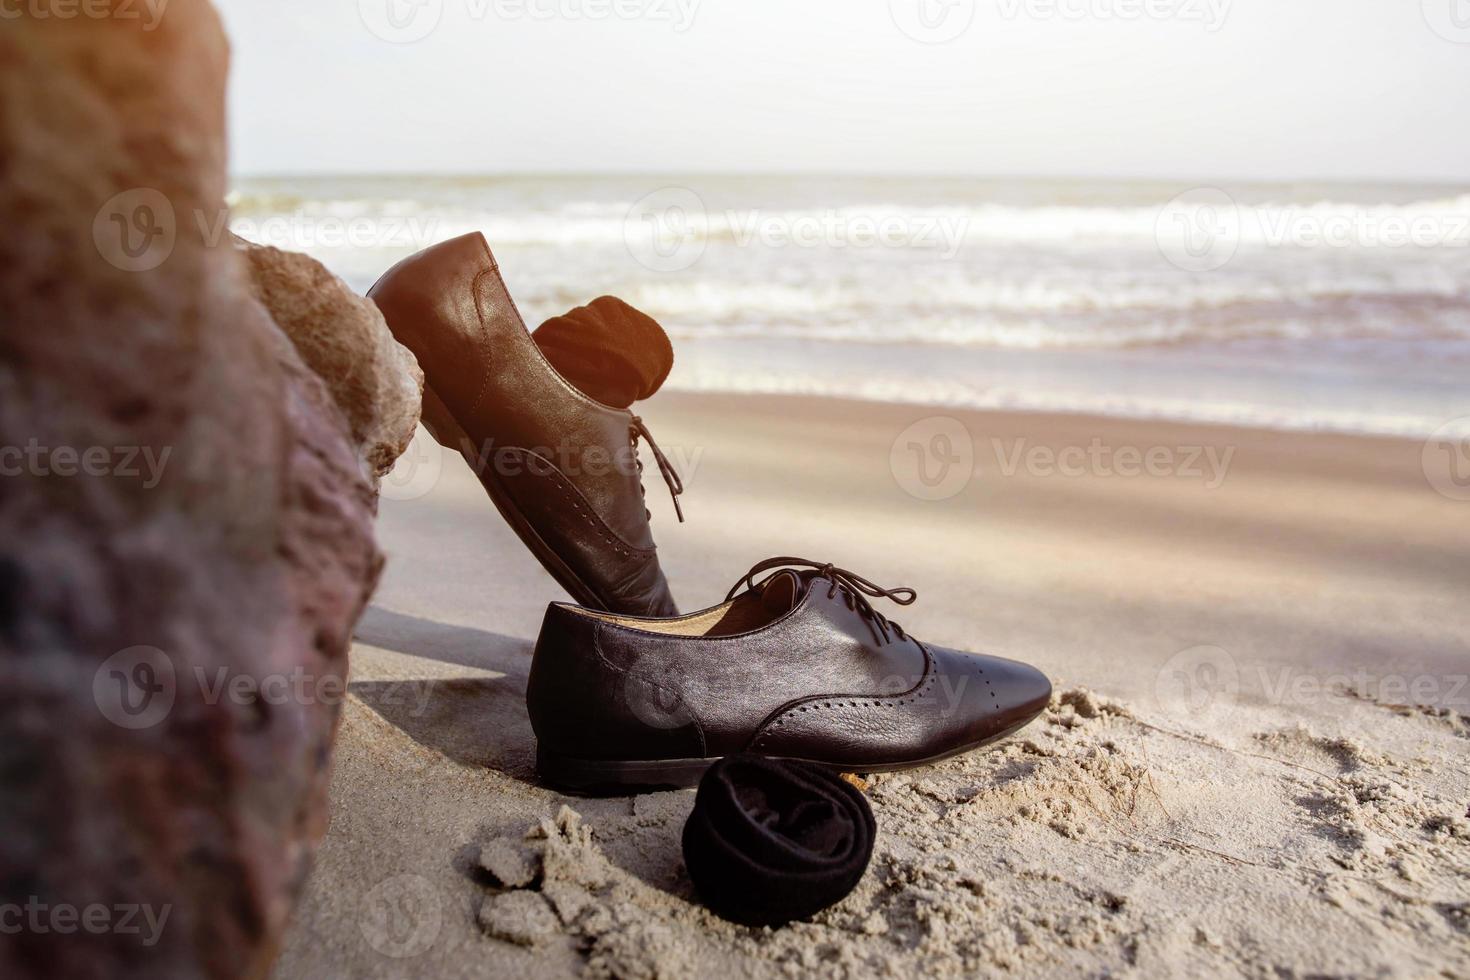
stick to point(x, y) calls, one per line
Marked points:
point(185, 533)
point(342, 336)
point(509, 862)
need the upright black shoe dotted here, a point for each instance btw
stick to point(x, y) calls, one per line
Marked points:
point(799, 665)
point(562, 468)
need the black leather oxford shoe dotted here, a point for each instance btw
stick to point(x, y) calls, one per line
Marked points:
point(562, 468)
point(798, 665)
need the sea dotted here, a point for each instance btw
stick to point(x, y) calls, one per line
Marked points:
point(1304, 306)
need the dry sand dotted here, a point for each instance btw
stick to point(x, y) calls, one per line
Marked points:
point(1225, 784)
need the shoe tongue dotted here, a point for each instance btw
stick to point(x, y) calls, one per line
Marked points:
point(782, 591)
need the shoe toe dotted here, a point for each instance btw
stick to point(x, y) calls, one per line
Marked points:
point(1021, 688)
point(994, 695)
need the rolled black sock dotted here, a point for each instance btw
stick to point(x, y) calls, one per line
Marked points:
point(770, 842)
point(608, 350)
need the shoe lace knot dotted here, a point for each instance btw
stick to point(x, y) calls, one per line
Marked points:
point(856, 591)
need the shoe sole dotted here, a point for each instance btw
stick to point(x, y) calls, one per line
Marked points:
point(604, 777)
point(447, 432)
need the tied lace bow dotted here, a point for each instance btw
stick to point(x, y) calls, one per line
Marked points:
point(855, 589)
point(638, 430)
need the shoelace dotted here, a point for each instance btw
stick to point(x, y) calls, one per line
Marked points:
point(671, 477)
point(853, 586)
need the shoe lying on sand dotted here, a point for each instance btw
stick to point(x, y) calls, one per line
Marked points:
point(798, 665)
point(561, 467)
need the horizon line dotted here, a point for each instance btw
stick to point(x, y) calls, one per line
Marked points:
point(1194, 181)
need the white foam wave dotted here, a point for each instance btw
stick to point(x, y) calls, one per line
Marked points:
point(606, 221)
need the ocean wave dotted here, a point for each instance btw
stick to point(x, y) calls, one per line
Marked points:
point(1331, 313)
point(1440, 221)
point(726, 302)
point(1138, 404)
point(1051, 334)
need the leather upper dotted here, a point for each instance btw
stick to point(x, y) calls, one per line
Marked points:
point(567, 462)
point(818, 683)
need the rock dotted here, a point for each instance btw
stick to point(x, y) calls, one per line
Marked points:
point(510, 862)
point(522, 918)
point(567, 899)
point(343, 338)
point(185, 533)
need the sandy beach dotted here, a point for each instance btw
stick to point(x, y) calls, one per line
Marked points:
point(1228, 782)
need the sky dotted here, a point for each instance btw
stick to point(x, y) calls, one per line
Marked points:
point(1240, 89)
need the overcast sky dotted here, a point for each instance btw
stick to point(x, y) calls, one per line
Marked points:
point(1145, 88)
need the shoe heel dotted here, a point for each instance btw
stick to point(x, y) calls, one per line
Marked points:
point(441, 424)
point(609, 777)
